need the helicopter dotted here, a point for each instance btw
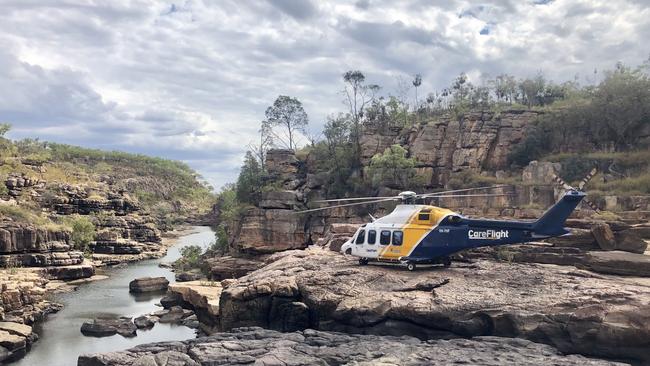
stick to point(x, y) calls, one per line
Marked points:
point(414, 234)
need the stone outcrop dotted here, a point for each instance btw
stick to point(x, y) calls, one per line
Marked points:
point(109, 327)
point(25, 245)
point(126, 239)
point(478, 141)
point(201, 296)
point(573, 310)
point(15, 339)
point(74, 199)
point(270, 230)
point(148, 284)
point(23, 297)
point(311, 347)
point(221, 268)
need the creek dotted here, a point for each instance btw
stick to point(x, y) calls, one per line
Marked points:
point(60, 339)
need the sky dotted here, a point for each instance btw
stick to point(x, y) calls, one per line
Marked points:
point(191, 79)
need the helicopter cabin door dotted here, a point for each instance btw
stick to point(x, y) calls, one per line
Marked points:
point(366, 243)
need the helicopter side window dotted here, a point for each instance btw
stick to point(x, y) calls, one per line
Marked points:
point(372, 236)
point(397, 237)
point(361, 237)
point(384, 237)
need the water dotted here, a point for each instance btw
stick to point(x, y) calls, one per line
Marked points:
point(61, 341)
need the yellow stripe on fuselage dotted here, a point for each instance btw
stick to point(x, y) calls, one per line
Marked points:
point(414, 231)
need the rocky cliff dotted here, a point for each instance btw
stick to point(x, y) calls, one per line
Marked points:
point(446, 150)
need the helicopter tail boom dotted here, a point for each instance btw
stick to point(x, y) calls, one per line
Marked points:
point(552, 222)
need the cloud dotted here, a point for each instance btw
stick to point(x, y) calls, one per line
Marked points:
point(191, 79)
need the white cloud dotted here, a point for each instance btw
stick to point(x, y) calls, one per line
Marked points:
point(191, 79)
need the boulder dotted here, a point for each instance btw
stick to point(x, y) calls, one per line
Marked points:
point(109, 327)
point(188, 276)
point(619, 263)
point(311, 347)
point(221, 268)
point(604, 236)
point(630, 241)
point(148, 284)
point(145, 321)
point(175, 314)
point(203, 297)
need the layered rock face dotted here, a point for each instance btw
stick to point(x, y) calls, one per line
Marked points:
point(478, 141)
point(24, 245)
point(125, 239)
point(573, 310)
point(310, 347)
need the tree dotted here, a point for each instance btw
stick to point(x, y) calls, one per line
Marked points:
point(288, 114)
point(358, 95)
point(249, 182)
point(417, 81)
point(621, 106)
point(4, 128)
point(265, 142)
point(392, 168)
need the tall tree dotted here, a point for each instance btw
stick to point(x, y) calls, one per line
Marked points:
point(249, 182)
point(265, 142)
point(288, 114)
point(417, 81)
point(358, 94)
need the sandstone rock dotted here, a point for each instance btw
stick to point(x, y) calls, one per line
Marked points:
point(175, 314)
point(630, 241)
point(109, 327)
point(268, 231)
point(188, 276)
point(145, 321)
point(540, 172)
point(203, 297)
point(279, 199)
point(171, 299)
point(604, 236)
point(311, 347)
point(148, 284)
point(619, 263)
point(549, 304)
point(221, 268)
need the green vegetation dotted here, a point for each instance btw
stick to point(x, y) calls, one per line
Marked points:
point(83, 231)
point(249, 183)
point(392, 168)
point(168, 189)
point(190, 258)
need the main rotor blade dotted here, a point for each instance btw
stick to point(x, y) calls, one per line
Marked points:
point(474, 195)
point(591, 204)
point(353, 199)
point(562, 183)
point(425, 195)
point(586, 179)
point(345, 205)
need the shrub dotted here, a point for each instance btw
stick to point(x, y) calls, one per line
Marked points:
point(190, 257)
point(83, 232)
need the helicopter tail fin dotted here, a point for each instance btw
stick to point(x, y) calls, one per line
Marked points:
point(552, 222)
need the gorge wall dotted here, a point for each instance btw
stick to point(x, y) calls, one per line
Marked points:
point(477, 143)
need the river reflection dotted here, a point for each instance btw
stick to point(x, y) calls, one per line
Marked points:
point(61, 341)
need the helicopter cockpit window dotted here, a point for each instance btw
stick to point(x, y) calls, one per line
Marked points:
point(372, 236)
point(397, 237)
point(361, 237)
point(384, 237)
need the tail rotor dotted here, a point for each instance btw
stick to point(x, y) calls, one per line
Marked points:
point(580, 188)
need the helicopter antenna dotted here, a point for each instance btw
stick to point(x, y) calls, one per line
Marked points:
point(372, 217)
